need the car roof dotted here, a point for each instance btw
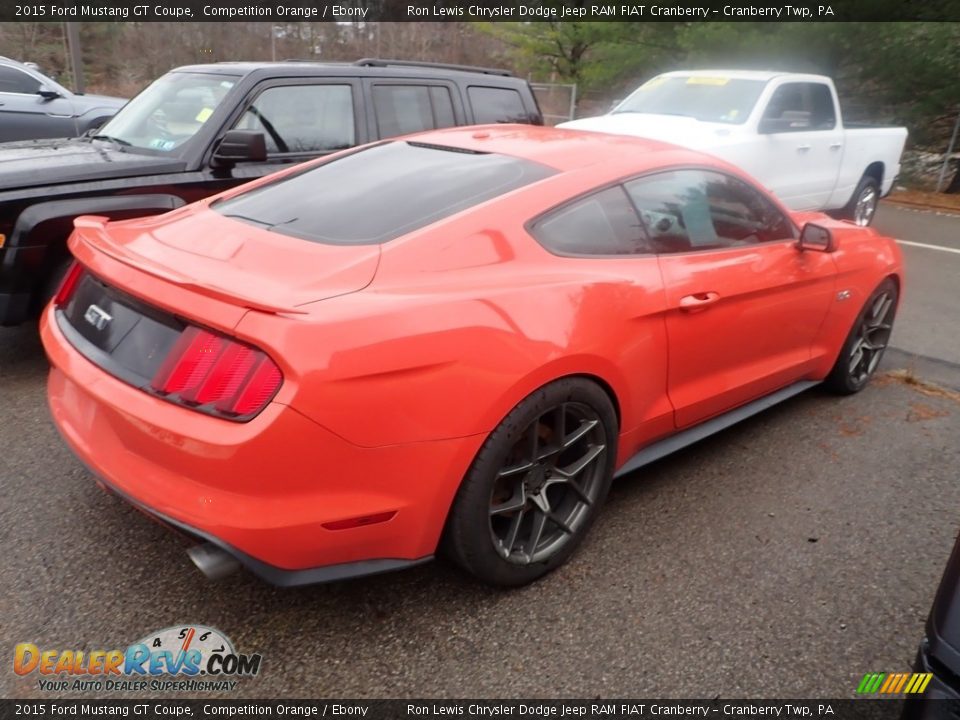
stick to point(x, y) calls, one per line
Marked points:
point(762, 75)
point(561, 148)
point(16, 63)
point(306, 68)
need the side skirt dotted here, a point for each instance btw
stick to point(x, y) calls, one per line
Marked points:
point(671, 444)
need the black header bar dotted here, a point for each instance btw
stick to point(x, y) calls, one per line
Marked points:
point(280, 11)
point(866, 709)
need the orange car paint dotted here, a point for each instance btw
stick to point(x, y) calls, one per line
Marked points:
point(398, 359)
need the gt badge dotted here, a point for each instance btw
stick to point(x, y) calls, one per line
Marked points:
point(98, 317)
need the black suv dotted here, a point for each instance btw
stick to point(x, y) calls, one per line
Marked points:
point(201, 129)
point(939, 652)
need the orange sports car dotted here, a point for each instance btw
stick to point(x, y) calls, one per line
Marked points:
point(453, 341)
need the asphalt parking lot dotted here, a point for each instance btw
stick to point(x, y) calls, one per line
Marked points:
point(785, 557)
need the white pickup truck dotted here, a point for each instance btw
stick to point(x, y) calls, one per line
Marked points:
point(785, 129)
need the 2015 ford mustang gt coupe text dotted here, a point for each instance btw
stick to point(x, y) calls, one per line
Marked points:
point(453, 340)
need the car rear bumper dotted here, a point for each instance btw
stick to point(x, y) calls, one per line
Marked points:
point(272, 574)
point(265, 491)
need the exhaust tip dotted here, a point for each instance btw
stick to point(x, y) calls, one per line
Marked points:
point(212, 561)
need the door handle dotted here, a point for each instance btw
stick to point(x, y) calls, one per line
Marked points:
point(803, 148)
point(836, 146)
point(698, 301)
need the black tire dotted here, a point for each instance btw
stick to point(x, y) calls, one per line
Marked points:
point(508, 493)
point(868, 338)
point(863, 205)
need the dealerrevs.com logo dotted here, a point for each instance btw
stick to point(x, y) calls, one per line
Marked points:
point(176, 659)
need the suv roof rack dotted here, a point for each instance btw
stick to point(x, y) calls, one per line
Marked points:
point(377, 62)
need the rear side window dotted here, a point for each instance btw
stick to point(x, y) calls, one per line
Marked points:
point(380, 193)
point(443, 116)
point(809, 106)
point(823, 115)
point(403, 109)
point(303, 118)
point(603, 223)
point(497, 105)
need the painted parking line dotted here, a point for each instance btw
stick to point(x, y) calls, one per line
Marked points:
point(942, 248)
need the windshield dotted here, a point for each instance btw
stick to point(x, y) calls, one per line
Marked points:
point(706, 98)
point(168, 113)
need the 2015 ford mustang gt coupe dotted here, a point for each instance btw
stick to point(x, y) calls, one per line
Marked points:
point(453, 340)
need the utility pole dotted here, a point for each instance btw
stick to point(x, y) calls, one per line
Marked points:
point(76, 60)
point(946, 158)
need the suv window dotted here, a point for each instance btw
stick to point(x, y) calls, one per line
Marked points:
point(16, 81)
point(379, 193)
point(812, 98)
point(303, 118)
point(687, 210)
point(603, 223)
point(402, 109)
point(496, 105)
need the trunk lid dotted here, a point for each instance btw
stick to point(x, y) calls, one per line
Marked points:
point(231, 261)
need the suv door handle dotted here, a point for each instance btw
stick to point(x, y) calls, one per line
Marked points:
point(803, 148)
point(698, 301)
point(836, 146)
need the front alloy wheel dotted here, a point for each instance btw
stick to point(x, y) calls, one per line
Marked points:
point(866, 342)
point(536, 485)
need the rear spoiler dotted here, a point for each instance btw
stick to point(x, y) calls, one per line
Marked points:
point(91, 230)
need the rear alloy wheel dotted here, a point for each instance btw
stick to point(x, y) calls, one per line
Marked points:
point(863, 205)
point(866, 343)
point(536, 485)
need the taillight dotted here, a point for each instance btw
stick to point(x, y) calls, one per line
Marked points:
point(217, 375)
point(69, 284)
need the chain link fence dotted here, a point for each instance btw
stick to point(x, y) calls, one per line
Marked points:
point(558, 101)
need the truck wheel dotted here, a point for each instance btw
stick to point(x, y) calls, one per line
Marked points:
point(536, 485)
point(863, 204)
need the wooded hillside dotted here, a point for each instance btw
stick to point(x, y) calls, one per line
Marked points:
point(904, 73)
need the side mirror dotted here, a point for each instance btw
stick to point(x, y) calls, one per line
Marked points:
point(48, 94)
point(815, 237)
point(789, 121)
point(240, 146)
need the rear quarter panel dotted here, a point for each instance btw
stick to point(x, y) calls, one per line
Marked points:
point(465, 320)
